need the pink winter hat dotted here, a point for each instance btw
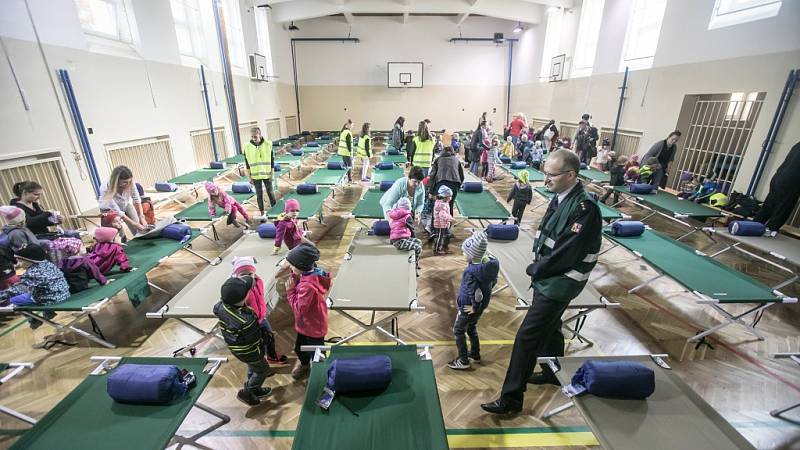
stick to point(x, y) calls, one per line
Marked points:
point(12, 215)
point(243, 263)
point(105, 234)
point(211, 188)
point(291, 205)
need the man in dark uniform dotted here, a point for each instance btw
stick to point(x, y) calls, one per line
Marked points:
point(565, 252)
point(784, 190)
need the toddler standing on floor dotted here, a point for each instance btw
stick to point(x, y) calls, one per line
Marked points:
point(492, 159)
point(287, 230)
point(522, 194)
point(107, 253)
point(41, 284)
point(306, 290)
point(245, 267)
point(474, 294)
point(241, 332)
point(402, 229)
point(218, 197)
point(442, 220)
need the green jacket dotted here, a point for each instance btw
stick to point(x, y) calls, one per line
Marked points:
point(566, 246)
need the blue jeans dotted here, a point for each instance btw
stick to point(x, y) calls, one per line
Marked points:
point(467, 324)
point(474, 166)
point(256, 374)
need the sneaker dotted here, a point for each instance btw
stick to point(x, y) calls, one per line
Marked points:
point(458, 364)
point(278, 359)
point(300, 370)
point(247, 397)
point(475, 359)
point(261, 392)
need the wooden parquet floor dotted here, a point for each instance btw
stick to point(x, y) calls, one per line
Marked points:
point(737, 376)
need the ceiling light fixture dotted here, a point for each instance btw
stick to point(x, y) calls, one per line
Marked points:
point(293, 27)
point(517, 28)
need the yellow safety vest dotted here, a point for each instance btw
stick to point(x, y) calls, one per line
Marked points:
point(423, 152)
point(362, 145)
point(259, 159)
point(343, 142)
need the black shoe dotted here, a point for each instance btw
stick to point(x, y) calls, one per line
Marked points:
point(261, 392)
point(544, 378)
point(247, 397)
point(500, 406)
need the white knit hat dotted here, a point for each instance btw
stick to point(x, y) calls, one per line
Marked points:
point(404, 203)
point(476, 245)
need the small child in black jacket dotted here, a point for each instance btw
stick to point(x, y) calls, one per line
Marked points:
point(522, 194)
point(617, 173)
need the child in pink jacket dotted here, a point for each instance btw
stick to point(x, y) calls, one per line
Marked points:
point(107, 253)
point(442, 219)
point(218, 198)
point(245, 266)
point(306, 290)
point(401, 225)
point(287, 230)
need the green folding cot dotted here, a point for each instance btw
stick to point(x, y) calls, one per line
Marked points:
point(312, 206)
point(199, 211)
point(515, 256)
point(88, 418)
point(392, 174)
point(670, 206)
point(327, 177)
point(14, 369)
point(400, 159)
point(710, 281)
point(235, 159)
point(595, 176)
point(673, 417)
point(311, 151)
point(606, 212)
point(534, 176)
point(197, 299)
point(480, 206)
point(406, 415)
point(144, 255)
point(369, 206)
point(794, 356)
point(198, 176)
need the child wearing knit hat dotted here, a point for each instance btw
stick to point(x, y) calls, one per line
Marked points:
point(477, 281)
point(306, 290)
point(522, 194)
point(287, 229)
point(15, 230)
point(41, 284)
point(106, 252)
point(245, 266)
point(442, 220)
point(241, 332)
point(219, 198)
point(401, 224)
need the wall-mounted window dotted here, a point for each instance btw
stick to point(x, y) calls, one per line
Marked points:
point(552, 39)
point(110, 19)
point(740, 106)
point(641, 36)
point(233, 28)
point(733, 12)
point(588, 34)
point(262, 32)
point(188, 28)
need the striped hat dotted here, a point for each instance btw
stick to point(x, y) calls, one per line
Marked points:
point(476, 245)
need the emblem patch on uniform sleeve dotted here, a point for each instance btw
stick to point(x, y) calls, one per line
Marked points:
point(576, 228)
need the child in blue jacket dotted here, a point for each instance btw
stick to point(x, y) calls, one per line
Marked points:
point(474, 295)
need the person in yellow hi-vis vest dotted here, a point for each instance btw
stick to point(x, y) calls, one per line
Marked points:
point(421, 151)
point(258, 158)
point(365, 150)
point(346, 147)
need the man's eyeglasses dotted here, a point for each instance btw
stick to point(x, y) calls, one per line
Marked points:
point(556, 175)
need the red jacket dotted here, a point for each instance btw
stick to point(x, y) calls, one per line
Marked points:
point(105, 255)
point(307, 299)
point(287, 230)
point(256, 300)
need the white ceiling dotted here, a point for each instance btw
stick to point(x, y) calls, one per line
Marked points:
point(525, 11)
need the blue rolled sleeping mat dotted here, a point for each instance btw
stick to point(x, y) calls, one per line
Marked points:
point(386, 185)
point(296, 152)
point(146, 384)
point(335, 165)
point(306, 189)
point(266, 230)
point(177, 231)
point(216, 165)
point(519, 165)
point(384, 166)
point(747, 228)
point(627, 228)
point(381, 228)
point(163, 186)
point(472, 186)
point(502, 232)
point(641, 188)
point(368, 373)
point(618, 379)
point(241, 187)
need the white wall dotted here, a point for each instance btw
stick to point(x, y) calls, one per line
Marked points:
point(690, 59)
point(122, 96)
